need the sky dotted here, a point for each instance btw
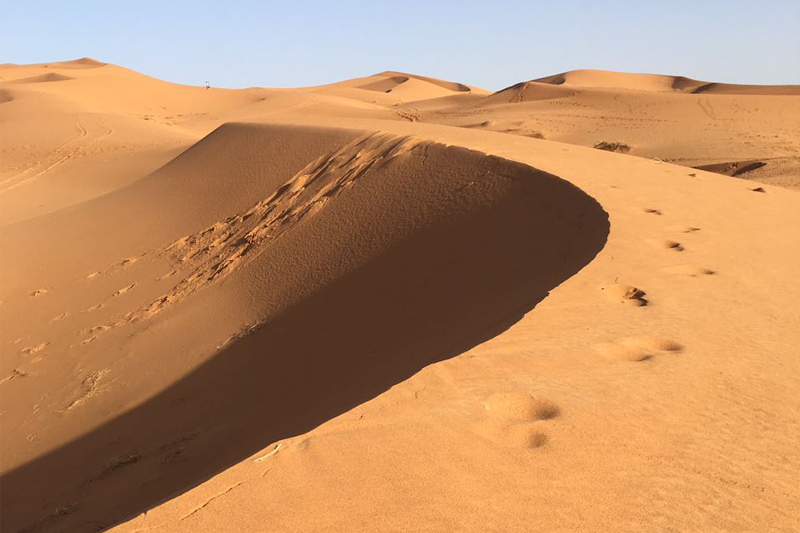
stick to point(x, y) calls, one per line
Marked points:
point(490, 44)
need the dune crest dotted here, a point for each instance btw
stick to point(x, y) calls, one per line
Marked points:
point(450, 85)
point(82, 63)
point(382, 219)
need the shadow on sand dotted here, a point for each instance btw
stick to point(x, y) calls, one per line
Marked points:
point(430, 298)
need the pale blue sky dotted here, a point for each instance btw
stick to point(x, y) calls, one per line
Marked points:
point(492, 43)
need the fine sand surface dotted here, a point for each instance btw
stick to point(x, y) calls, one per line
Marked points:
point(398, 303)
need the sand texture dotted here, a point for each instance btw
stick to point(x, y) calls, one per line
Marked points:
point(398, 303)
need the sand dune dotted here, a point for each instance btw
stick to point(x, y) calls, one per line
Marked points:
point(339, 308)
point(393, 88)
point(449, 85)
point(670, 118)
point(527, 91)
point(315, 239)
point(385, 85)
point(660, 83)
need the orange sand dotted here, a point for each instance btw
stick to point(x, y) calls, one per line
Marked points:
point(398, 303)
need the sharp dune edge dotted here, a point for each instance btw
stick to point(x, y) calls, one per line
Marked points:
point(397, 303)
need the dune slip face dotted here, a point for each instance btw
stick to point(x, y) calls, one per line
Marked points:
point(380, 257)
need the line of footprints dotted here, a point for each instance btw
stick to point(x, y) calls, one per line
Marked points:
point(520, 419)
point(645, 348)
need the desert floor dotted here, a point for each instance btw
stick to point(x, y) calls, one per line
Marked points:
point(398, 303)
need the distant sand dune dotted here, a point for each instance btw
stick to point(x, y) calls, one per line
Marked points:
point(385, 85)
point(399, 87)
point(449, 85)
point(526, 92)
point(658, 82)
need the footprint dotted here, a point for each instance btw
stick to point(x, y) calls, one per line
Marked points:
point(94, 308)
point(167, 275)
point(115, 463)
point(38, 292)
point(625, 294)
point(33, 349)
point(99, 329)
point(520, 436)
point(93, 275)
point(758, 189)
point(516, 419)
point(521, 406)
point(623, 353)
point(653, 343)
point(688, 270)
point(123, 290)
point(652, 211)
point(683, 229)
point(537, 439)
point(16, 373)
point(124, 263)
point(637, 349)
point(89, 387)
point(59, 317)
point(179, 244)
point(666, 244)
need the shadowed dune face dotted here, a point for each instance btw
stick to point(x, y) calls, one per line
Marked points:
point(385, 85)
point(527, 91)
point(449, 85)
point(385, 255)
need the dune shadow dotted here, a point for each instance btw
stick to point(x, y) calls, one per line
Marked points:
point(435, 295)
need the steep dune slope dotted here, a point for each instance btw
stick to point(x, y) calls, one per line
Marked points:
point(442, 246)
